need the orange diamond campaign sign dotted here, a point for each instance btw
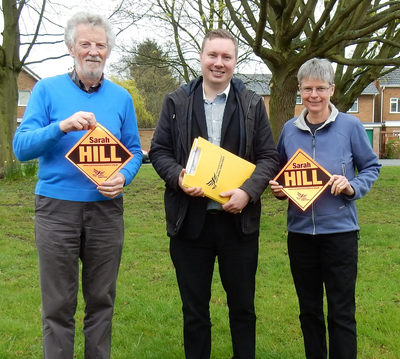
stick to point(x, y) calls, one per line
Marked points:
point(303, 179)
point(99, 155)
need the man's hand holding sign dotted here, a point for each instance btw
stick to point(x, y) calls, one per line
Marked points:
point(79, 121)
point(100, 155)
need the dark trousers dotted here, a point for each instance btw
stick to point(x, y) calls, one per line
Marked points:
point(194, 264)
point(65, 232)
point(329, 260)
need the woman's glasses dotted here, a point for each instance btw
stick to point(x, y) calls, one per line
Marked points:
point(319, 89)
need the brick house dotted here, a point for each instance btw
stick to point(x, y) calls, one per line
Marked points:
point(365, 109)
point(26, 80)
point(388, 107)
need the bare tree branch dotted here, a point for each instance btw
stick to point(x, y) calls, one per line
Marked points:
point(46, 59)
point(36, 32)
point(43, 43)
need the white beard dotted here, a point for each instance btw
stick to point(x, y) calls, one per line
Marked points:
point(86, 72)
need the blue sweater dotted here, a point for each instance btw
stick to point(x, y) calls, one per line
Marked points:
point(39, 135)
point(341, 145)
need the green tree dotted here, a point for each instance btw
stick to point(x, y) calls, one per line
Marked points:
point(149, 67)
point(10, 66)
point(181, 26)
point(144, 117)
point(184, 22)
point(360, 36)
point(14, 53)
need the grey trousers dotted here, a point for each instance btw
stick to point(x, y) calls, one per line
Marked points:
point(66, 232)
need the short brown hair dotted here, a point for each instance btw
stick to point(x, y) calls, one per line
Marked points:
point(222, 34)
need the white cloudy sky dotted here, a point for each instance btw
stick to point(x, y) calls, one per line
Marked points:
point(59, 14)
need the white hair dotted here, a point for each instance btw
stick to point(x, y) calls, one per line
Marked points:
point(87, 18)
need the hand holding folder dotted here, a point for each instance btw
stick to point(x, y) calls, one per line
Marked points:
point(215, 170)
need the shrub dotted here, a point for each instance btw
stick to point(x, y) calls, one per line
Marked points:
point(30, 168)
point(393, 149)
point(12, 171)
point(16, 170)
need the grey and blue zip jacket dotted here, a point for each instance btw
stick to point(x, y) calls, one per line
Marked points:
point(341, 146)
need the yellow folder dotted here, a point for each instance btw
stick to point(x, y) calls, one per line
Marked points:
point(215, 169)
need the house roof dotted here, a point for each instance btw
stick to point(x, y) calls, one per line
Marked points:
point(31, 73)
point(259, 83)
point(370, 90)
point(391, 79)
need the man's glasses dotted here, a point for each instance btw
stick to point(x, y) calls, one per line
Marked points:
point(319, 89)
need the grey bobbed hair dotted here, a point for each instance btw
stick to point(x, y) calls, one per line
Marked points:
point(316, 68)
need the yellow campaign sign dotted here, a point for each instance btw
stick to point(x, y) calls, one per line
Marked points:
point(303, 179)
point(99, 155)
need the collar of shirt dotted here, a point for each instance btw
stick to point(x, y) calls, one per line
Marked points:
point(225, 92)
point(76, 80)
point(313, 126)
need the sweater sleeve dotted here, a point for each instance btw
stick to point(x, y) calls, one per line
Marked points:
point(130, 139)
point(365, 160)
point(36, 135)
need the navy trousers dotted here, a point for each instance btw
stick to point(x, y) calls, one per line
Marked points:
point(68, 232)
point(328, 260)
point(194, 264)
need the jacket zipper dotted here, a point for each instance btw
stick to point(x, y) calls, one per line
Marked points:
point(177, 224)
point(312, 204)
point(245, 222)
point(180, 135)
point(245, 124)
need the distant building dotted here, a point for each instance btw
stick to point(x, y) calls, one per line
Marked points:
point(378, 106)
point(388, 104)
point(26, 81)
point(364, 107)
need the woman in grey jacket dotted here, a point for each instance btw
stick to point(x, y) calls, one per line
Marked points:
point(323, 239)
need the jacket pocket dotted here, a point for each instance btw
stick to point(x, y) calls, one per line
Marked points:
point(174, 210)
point(343, 168)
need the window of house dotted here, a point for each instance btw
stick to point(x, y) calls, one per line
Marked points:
point(298, 100)
point(394, 105)
point(354, 107)
point(23, 97)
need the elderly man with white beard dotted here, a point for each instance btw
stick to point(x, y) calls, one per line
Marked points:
point(76, 220)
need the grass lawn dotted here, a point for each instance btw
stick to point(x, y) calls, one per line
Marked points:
point(148, 320)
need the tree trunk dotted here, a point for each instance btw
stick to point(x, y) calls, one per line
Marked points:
point(8, 114)
point(10, 67)
point(284, 89)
